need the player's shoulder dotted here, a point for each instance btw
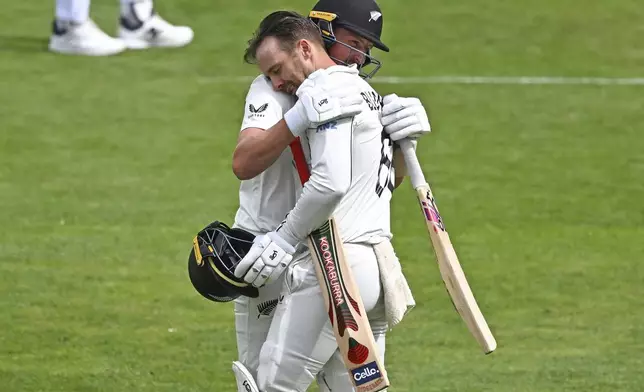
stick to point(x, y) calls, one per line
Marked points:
point(348, 75)
point(261, 84)
point(261, 92)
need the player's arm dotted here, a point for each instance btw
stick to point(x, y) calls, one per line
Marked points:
point(329, 182)
point(258, 148)
point(263, 134)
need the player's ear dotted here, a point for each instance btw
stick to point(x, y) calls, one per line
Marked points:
point(305, 49)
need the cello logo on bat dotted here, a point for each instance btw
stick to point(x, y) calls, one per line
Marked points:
point(366, 373)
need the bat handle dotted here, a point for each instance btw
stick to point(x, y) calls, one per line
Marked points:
point(413, 166)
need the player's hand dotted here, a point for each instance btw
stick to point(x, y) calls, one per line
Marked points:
point(266, 260)
point(322, 99)
point(404, 117)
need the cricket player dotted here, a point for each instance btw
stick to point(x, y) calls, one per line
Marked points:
point(269, 182)
point(140, 27)
point(351, 178)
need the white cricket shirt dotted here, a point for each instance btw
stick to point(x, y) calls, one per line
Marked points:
point(351, 173)
point(265, 200)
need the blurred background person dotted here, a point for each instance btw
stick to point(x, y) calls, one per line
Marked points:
point(140, 27)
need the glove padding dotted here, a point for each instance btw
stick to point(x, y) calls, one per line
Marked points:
point(266, 260)
point(404, 117)
point(322, 99)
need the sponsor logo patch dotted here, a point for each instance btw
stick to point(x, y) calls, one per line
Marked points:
point(432, 214)
point(331, 125)
point(257, 112)
point(366, 373)
point(266, 308)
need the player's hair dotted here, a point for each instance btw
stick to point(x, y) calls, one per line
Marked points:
point(288, 27)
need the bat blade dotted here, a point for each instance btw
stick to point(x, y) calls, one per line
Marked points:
point(450, 268)
point(452, 273)
point(346, 310)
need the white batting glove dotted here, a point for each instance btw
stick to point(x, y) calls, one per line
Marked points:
point(404, 117)
point(322, 99)
point(266, 260)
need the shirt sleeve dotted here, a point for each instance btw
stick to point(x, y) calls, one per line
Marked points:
point(331, 150)
point(262, 111)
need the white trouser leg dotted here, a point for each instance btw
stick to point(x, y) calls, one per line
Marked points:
point(301, 340)
point(72, 10)
point(253, 318)
point(142, 9)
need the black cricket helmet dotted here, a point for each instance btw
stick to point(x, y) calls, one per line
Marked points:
point(362, 17)
point(216, 251)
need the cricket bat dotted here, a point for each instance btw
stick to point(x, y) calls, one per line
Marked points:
point(342, 299)
point(450, 268)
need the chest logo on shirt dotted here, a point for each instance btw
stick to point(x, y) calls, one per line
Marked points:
point(331, 125)
point(256, 112)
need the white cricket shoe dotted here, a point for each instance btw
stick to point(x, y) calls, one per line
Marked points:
point(83, 39)
point(154, 32)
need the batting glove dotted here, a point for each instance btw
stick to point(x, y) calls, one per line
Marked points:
point(321, 99)
point(266, 260)
point(404, 117)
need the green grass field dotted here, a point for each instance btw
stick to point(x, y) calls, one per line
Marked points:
point(109, 166)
